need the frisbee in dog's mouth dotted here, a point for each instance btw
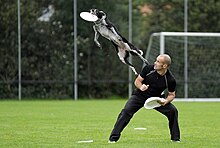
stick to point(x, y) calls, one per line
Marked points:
point(88, 16)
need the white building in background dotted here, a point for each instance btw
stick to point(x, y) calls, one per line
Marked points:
point(47, 14)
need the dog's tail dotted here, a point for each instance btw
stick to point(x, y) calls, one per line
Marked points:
point(140, 52)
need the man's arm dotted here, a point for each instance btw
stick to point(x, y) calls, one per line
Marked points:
point(138, 83)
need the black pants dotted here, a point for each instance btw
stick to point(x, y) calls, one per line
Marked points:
point(133, 105)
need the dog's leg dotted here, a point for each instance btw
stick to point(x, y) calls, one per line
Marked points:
point(133, 50)
point(116, 47)
point(123, 56)
point(96, 37)
point(140, 56)
point(116, 34)
point(129, 64)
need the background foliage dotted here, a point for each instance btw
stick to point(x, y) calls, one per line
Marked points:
point(47, 47)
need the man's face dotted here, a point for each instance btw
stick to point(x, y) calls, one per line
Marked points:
point(159, 63)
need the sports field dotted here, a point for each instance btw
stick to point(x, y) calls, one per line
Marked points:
point(64, 123)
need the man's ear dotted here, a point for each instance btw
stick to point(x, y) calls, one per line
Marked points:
point(165, 65)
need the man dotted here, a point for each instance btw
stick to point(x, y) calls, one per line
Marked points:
point(151, 82)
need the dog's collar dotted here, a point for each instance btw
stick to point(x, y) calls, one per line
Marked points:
point(98, 21)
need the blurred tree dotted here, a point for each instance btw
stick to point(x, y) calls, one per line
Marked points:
point(47, 43)
point(204, 16)
point(8, 49)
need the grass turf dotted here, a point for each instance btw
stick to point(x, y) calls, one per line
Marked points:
point(63, 123)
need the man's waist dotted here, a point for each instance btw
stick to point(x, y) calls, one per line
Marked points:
point(146, 94)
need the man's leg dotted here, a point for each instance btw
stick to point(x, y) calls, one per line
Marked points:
point(170, 111)
point(122, 120)
point(131, 107)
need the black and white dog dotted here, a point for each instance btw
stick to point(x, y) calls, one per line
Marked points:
point(106, 29)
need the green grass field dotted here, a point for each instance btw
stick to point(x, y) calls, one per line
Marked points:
point(63, 123)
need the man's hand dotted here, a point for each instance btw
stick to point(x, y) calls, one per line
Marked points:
point(144, 87)
point(169, 98)
point(138, 83)
point(163, 101)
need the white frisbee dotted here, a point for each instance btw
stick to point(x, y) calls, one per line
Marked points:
point(85, 141)
point(88, 16)
point(140, 128)
point(152, 102)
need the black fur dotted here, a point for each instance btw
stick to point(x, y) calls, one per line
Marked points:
point(106, 29)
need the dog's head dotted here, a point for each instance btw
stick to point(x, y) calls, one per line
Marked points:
point(100, 14)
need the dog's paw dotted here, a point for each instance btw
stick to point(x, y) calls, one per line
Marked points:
point(99, 45)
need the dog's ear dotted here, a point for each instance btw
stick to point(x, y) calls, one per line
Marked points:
point(101, 14)
point(92, 10)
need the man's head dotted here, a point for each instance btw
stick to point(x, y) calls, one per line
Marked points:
point(163, 61)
